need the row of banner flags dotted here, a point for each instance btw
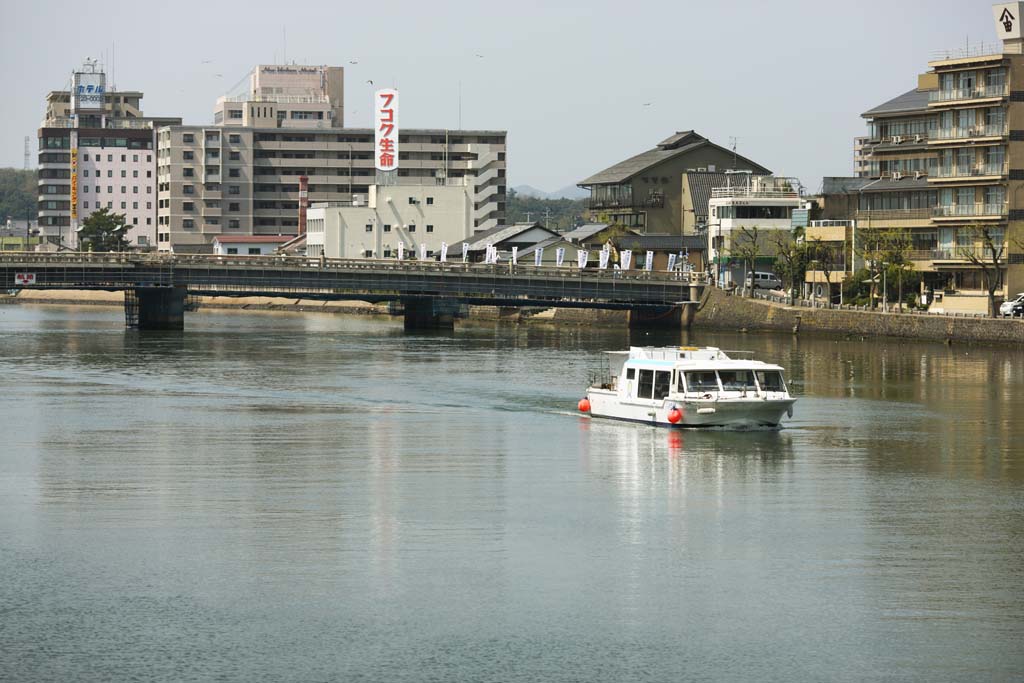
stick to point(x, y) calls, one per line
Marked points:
point(491, 256)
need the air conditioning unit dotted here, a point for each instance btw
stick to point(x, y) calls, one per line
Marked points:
point(917, 175)
point(917, 138)
point(897, 139)
point(897, 176)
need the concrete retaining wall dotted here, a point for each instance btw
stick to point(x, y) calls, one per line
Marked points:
point(723, 311)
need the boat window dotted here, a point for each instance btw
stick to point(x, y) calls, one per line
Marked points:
point(702, 380)
point(737, 380)
point(630, 373)
point(662, 382)
point(646, 385)
point(770, 380)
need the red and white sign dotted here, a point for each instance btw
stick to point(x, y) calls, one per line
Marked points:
point(385, 116)
point(22, 279)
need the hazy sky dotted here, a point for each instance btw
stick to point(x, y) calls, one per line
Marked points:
point(568, 81)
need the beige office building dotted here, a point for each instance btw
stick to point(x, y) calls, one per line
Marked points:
point(241, 174)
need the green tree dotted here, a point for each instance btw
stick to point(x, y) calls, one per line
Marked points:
point(19, 192)
point(790, 260)
point(555, 214)
point(989, 257)
point(103, 231)
point(746, 248)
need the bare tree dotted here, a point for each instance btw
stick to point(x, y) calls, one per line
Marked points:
point(871, 248)
point(790, 260)
point(989, 258)
point(824, 255)
point(746, 248)
point(897, 255)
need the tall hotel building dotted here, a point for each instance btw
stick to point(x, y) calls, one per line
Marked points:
point(97, 150)
point(241, 175)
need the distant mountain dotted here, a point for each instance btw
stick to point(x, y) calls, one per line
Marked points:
point(568, 192)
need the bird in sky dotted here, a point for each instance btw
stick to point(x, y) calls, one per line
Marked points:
point(480, 56)
point(647, 104)
point(207, 61)
point(353, 61)
point(219, 75)
point(370, 82)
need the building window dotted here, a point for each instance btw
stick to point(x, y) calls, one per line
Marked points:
point(85, 157)
point(188, 137)
point(235, 156)
point(110, 189)
point(135, 157)
point(85, 205)
point(124, 189)
point(369, 227)
point(110, 157)
point(233, 172)
point(233, 223)
point(124, 174)
point(149, 221)
point(135, 174)
point(235, 138)
point(188, 206)
point(233, 189)
point(233, 206)
point(232, 250)
point(430, 200)
point(412, 227)
point(234, 113)
point(124, 205)
point(254, 251)
point(187, 155)
point(188, 223)
point(110, 174)
point(188, 189)
point(188, 172)
point(85, 173)
point(387, 227)
point(412, 200)
point(135, 205)
point(135, 189)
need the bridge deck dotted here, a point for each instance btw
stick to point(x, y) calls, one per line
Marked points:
point(365, 279)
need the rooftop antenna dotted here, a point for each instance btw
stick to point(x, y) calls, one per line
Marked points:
point(732, 145)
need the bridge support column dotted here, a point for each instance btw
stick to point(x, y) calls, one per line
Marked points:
point(155, 308)
point(658, 317)
point(430, 313)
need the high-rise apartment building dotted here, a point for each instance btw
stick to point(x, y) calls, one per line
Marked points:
point(241, 175)
point(97, 150)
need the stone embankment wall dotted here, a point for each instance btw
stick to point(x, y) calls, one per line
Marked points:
point(724, 311)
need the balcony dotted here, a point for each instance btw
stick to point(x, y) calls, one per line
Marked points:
point(975, 171)
point(966, 253)
point(654, 201)
point(992, 131)
point(971, 211)
point(979, 92)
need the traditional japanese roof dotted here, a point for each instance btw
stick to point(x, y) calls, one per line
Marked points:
point(584, 231)
point(676, 145)
point(554, 242)
point(253, 239)
point(661, 242)
point(494, 236)
point(912, 100)
point(699, 184)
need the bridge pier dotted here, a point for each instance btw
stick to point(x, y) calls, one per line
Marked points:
point(429, 313)
point(660, 317)
point(155, 308)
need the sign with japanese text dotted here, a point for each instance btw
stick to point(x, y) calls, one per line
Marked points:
point(74, 183)
point(385, 117)
point(1007, 18)
point(672, 261)
point(515, 256)
point(538, 256)
point(401, 251)
point(649, 261)
point(87, 90)
point(559, 256)
point(603, 259)
point(444, 252)
point(582, 255)
point(625, 256)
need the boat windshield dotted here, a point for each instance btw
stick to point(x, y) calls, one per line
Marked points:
point(737, 380)
point(771, 380)
point(701, 380)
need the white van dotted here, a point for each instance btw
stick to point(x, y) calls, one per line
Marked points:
point(763, 281)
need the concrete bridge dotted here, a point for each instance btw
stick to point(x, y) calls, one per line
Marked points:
point(430, 292)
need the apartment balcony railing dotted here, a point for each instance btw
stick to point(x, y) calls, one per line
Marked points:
point(656, 201)
point(968, 210)
point(831, 224)
point(894, 214)
point(976, 93)
point(966, 253)
point(979, 170)
point(990, 131)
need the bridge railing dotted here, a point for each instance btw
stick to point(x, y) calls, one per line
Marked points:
point(130, 259)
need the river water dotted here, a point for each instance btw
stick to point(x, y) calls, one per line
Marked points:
point(303, 497)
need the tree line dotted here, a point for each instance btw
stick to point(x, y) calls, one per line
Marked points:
point(18, 192)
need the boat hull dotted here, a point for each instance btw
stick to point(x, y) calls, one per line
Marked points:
point(738, 413)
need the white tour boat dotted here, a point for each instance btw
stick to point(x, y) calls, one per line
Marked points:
point(689, 387)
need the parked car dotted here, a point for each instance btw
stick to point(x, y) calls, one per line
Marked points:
point(763, 281)
point(1013, 308)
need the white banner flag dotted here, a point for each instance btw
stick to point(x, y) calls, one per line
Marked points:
point(649, 262)
point(603, 260)
point(672, 261)
point(515, 256)
point(559, 256)
point(401, 251)
point(423, 251)
point(444, 252)
point(489, 254)
point(465, 252)
point(581, 258)
point(538, 256)
point(625, 257)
